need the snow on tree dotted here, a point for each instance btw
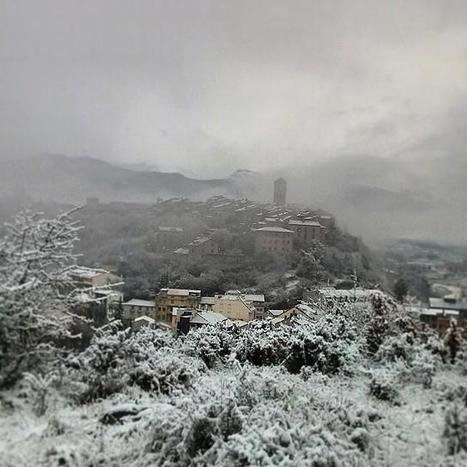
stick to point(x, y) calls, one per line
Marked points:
point(35, 253)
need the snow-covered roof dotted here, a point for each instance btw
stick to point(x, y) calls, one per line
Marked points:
point(181, 292)
point(437, 312)
point(247, 297)
point(254, 297)
point(305, 223)
point(306, 309)
point(139, 302)
point(207, 317)
point(274, 229)
point(145, 318)
point(452, 304)
point(229, 297)
point(276, 312)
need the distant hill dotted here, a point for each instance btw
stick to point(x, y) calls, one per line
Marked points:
point(66, 179)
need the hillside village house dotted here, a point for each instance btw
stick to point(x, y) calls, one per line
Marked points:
point(168, 299)
point(100, 294)
point(301, 311)
point(257, 300)
point(93, 308)
point(275, 240)
point(92, 277)
point(234, 307)
point(307, 231)
point(184, 319)
point(443, 310)
point(137, 308)
point(439, 320)
point(143, 322)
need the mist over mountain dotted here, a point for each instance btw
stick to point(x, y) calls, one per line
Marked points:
point(415, 197)
point(377, 198)
point(72, 180)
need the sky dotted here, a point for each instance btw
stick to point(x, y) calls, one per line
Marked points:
point(207, 86)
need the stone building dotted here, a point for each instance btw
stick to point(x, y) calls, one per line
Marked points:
point(306, 232)
point(234, 307)
point(136, 308)
point(85, 277)
point(275, 240)
point(168, 299)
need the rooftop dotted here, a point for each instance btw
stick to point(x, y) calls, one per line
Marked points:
point(247, 297)
point(181, 292)
point(306, 309)
point(274, 229)
point(450, 304)
point(276, 312)
point(139, 302)
point(207, 317)
point(436, 312)
point(304, 222)
point(145, 318)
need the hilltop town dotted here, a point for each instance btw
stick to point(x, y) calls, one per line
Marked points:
point(185, 264)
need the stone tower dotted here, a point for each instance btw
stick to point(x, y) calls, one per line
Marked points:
point(280, 192)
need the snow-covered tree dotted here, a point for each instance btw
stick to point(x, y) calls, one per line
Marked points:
point(35, 254)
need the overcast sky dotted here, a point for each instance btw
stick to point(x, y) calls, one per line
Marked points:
point(211, 86)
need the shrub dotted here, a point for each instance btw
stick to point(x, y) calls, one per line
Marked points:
point(315, 345)
point(165, 373)
point(211, 344)
point(455, 429)
point(145, 359)
point(384, 386)
point(39, 387)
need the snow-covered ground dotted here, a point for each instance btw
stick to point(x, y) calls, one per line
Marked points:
point(207, 402)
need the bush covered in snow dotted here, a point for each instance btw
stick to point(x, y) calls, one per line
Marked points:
point(34, 254)
point(116, 359)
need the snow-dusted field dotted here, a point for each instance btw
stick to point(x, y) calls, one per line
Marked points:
point(204, 401)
